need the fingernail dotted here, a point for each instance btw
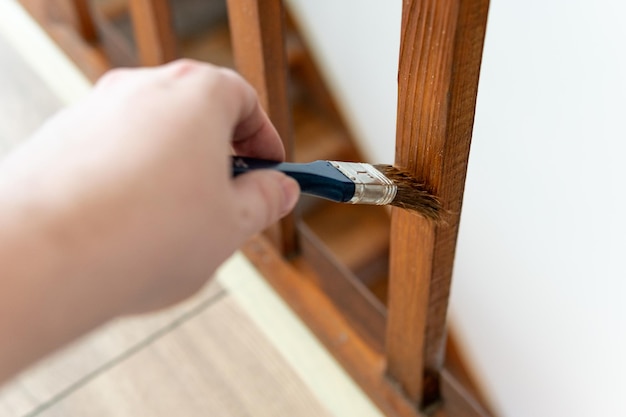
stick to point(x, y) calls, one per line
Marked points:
point(291, 193)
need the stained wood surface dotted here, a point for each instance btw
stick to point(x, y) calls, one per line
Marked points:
point(360, 307)
point(86, 25)
point(440, 55)
point(257, 30)
point(154, 31)
point(335, 331)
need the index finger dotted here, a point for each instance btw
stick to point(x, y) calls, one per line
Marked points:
point(253, 135)
point(256, 136)
point(234, 101)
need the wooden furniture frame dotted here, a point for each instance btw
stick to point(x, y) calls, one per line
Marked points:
point(394, 352)
point(397, 357)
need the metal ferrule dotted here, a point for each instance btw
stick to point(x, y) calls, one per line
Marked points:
point(370, 185)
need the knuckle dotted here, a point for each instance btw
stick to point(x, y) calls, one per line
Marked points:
point(113, 77)
point(184, 66)
point(230, 79)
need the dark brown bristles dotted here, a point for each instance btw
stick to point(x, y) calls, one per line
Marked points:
point(412, 195)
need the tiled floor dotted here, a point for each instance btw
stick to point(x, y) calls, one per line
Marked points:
point(210, 356)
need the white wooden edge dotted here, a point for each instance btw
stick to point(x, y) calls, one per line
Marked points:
point(41, 53)
point(332, 386)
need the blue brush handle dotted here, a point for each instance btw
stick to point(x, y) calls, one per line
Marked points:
point(317, 178)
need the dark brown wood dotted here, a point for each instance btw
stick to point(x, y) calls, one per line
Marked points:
point(256, 28)
point(440, 55)
point(154, 32)
point(86, 26)
point(361, 308)
point(293, 283)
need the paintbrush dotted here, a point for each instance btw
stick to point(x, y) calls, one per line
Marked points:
point(354, 183)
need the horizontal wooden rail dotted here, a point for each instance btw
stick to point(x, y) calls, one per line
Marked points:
point(345, 343)
point(361, 308)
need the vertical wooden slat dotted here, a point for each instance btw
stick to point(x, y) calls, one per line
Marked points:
point(440, 54)
point(256, 28)
point(154, 32)
point(86, 26)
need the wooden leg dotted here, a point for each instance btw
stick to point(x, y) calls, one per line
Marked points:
point(256, 28)
point(154, 32)
point(440, 55)
point(86, 26)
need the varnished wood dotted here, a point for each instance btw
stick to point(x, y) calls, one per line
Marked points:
point(154, 32)
point(257, 30)
point(334, 330)
point(86, 26)
point(365, 313)
point(440, 54)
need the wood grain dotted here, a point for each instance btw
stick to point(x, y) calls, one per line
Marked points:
point(335, 331)
point(86, 26)
point(365, 313)
point(256, 28)
point(217, 363)
point(440, 55)
point(154, 31)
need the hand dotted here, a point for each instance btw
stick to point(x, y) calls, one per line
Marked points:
point(126, 200)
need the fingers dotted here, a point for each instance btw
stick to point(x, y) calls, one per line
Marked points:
point(219, 90)
point(263, 197)
point(171, 71)
point(255, 136)
point(252, 132)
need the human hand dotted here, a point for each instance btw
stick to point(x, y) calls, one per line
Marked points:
point(133, 191)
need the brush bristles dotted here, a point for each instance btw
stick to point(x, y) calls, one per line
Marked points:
point(411, 194)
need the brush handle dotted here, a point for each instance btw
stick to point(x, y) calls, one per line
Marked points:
point(317, 178)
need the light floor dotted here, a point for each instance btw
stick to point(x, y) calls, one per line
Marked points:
point(233, 350)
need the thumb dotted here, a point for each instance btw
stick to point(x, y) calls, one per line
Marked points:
point(264, 197)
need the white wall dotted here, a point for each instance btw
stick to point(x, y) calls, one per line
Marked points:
point(540, 279)
point(356, 43)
